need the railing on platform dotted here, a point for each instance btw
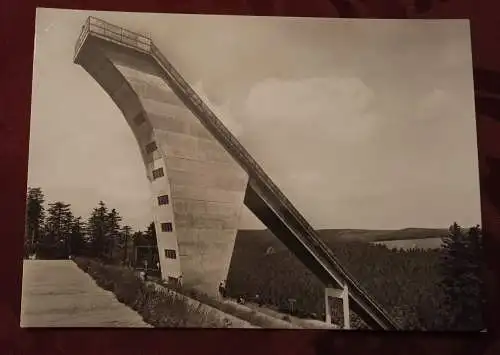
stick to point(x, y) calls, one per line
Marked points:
point(109, 31)
point(305, 231)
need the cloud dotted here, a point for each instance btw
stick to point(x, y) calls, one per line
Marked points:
point(336, 106)
point(296, 127)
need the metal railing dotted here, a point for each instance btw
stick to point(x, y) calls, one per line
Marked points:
point(83, 36)
point(305, 231)
point(112, 32)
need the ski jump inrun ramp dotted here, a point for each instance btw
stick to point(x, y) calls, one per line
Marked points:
point(199, 173)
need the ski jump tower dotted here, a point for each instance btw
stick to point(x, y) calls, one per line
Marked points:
point(200, 175)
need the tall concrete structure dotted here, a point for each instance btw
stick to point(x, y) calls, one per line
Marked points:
point(197, 188)
point(200, 174)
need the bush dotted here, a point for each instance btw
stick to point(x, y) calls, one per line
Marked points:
point(157, 306)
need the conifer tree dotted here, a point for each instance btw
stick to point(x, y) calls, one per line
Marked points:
point(461, 266)
point(151, 234)
point(58, 229)
point(126, 244)
point(96, 230)
point(153, 246)
point(77, 238)
point(35, 214)
point(113, 234)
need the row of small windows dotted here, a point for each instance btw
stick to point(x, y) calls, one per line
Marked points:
point(162, 200)
point(170, 254)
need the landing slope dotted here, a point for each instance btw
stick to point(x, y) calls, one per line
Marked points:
point(404, 281)
point(56, 293)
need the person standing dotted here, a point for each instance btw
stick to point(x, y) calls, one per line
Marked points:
point(258, 300)
point(222, 289)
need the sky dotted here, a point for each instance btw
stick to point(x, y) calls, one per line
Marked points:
point(361, 123)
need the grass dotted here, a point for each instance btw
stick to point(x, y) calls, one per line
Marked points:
point(247, 314)
point(157, 307)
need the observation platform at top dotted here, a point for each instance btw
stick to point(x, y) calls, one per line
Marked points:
point(113, 33)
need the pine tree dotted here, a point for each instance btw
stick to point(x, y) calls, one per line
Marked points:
point(461, 279)
point(126, 244)
point(96, 230)
point(58, 229)
point(138, 240)
point(35, 214)
point(153, 257)
point(77, 238)
point(113, 234)
point(151, 234)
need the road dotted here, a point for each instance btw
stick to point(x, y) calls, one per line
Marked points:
point(56, 293)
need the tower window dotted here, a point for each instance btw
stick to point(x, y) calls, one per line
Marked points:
point(166, 227)
point(170, 254)
point(163, 200)
point(158, 173)
point(151, 147)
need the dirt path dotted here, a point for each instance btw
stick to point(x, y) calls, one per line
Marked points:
point(56, 293)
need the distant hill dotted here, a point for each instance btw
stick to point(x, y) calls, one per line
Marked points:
point(401, 238)
point(370, 236)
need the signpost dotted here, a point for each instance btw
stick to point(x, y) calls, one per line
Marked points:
point(291, 304)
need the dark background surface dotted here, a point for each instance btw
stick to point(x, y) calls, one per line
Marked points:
point(17, 24)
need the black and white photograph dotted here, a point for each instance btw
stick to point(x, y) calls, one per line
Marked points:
point(210, 171)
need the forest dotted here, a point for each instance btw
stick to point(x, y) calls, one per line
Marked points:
point(422, 289)
point(56, 233)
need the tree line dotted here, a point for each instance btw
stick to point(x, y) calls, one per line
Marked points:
point(432, 289)
point(56, 233)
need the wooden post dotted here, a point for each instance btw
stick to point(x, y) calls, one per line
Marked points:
point(345, 304)
point(328, 308)
point(291, 303)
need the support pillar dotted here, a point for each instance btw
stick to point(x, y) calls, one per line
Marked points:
point(342, 294)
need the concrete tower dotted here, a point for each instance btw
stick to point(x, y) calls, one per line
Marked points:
point(197, 188)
